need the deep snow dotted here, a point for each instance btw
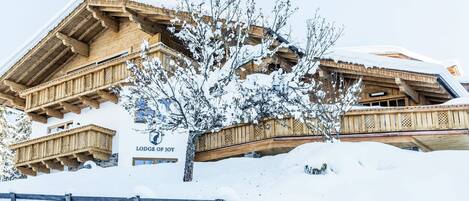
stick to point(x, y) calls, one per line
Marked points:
point(356, 171)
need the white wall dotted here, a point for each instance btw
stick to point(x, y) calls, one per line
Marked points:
point(127, 138)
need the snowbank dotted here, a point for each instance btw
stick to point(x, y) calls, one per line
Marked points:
point(356, 171)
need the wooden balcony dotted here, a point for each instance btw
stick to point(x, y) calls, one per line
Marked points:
point(66, 148)
point(426, 127)
point(85, 87)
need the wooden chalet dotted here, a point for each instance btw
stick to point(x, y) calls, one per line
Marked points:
point(74, 65)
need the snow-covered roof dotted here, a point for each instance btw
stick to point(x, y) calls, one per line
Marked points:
point(389, 49)
point(39, 35)
point(349, 55)
point(159, 3)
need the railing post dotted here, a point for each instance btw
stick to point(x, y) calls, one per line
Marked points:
point(68, 197)
point(12, 196)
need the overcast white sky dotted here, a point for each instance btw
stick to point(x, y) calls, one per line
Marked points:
point(435, 28)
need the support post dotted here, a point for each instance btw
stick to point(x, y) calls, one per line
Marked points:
point(12, 196)
point(90, 102)
point(71, 108)
point(38, 118)
point(108, 96)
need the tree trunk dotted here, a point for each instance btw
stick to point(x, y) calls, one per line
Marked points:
point(190, 155)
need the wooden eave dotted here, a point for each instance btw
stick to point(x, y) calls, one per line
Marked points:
point(425, 84)
point(51, 53)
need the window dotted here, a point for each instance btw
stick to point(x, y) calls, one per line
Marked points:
point(60, 127)
point(386, 103)
point(123, 54)
point(152, 161)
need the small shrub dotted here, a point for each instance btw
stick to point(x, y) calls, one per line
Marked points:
point(316, 171)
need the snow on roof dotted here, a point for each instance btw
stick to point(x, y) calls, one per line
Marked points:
point(389, 49)
point(159, 3)
point(62, 14)
point(457, 101)
point(39, 35)
point(371, 60)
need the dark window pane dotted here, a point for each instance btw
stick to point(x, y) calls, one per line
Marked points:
point(393, 103)
point(375, 104)
point(383, 103)
point(401, 102)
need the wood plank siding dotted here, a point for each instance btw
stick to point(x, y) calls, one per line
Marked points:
point(366, 122)
point(70, 148)
point(84, 83)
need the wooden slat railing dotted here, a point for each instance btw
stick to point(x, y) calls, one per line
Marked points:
point(83, 82)
point(366, 121)
point(91, 141)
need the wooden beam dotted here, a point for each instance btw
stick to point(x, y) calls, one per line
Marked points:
point(403, 87)
point(142, 23)
point(100, 155)
point(68, 162)
point(106, 21)
point(108, 96)
point(90, 102)
point(53, 165)
point(38, 117)
point(14, 100)
point(27, 171)
point(49, 64)
point(83, 157)
point(54, 113)
point(39, 167)
point(76, 46)
point(16, 87)
point(70, 108)
point(421, 145)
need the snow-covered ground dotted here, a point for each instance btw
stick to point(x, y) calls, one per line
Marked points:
point(356, 171)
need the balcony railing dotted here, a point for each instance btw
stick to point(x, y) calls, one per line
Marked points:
point(84, 87)
point(65, 148)
point(363, 122)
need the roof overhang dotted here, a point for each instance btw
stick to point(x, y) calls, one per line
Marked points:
point(431, 86)
point(80, 27)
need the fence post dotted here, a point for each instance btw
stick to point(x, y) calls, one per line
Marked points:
point(68, 197)
point(13, 196)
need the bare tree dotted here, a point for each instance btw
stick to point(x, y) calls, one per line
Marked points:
point(189, 93)
point(202, 91)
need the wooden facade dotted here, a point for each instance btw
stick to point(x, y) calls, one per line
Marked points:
point(84, 56)
point(419, 126)
point(66, 148)
point(87, 86)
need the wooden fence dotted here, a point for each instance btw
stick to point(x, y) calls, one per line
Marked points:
point(86, 81)
point(366, 121)
point(69, 197)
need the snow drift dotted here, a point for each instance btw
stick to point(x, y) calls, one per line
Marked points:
point(355, 171)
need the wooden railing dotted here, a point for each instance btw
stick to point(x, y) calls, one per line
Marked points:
point(69, 147)
point(84, 82)
point(365, 121)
